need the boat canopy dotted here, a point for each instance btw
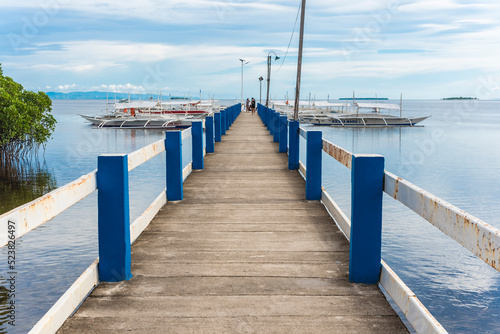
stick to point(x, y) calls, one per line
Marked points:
point(377, 106)
point(136, 105)
point(329, 104)
point(306, 103)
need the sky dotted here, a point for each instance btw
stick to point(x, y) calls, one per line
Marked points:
point(423, 49)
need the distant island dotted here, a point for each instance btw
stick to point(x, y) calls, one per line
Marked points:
point(110, 95)
point(364, 98)
point(459, 98)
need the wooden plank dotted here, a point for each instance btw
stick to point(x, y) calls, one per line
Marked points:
point(338, 153)
point(235, 248)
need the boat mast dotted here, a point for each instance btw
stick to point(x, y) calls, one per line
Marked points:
point(401, 105)
point(353, 100)
point(299, 62)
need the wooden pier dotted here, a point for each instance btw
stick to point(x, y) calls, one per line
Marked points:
point(244, 252)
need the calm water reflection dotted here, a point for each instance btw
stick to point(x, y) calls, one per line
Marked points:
point(22, 181)
point(454, 156)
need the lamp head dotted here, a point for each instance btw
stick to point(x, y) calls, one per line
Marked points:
point(276, 58)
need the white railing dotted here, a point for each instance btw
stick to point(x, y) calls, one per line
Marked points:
point(415, 312)
point(35, 213)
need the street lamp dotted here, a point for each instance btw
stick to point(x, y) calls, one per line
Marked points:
point(243, 62)
point(260, 81)
point(269, 73)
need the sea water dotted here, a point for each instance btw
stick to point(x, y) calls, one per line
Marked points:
point(454, 155)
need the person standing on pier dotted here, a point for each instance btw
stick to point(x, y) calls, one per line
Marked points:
point(247, 107)
point(252, 106)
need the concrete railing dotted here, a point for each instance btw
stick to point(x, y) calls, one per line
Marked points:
point(364, 230)
point(116, 233)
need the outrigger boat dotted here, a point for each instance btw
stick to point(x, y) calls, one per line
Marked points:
point(153, 114)
point(140, 122)
point(365, 119)
point(310, 109)
point(194, 108)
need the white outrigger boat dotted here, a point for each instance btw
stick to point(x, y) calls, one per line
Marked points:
point(140, 122)
point(310, 109)
point(153, 114)
point(365, 119)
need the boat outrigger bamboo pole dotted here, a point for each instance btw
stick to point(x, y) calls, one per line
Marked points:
point(299, 62)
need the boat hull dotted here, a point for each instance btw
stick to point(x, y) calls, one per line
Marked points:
point(137, 122)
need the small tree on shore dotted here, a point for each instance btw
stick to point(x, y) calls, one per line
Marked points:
point(26, 121)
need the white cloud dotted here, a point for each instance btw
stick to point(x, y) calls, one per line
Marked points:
point(183, 12)
point(67, 87)
point(120, 88)
point(420, 36)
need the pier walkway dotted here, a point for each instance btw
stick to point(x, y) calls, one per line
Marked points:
point(244, 252)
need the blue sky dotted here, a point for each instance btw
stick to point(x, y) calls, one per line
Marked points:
point(421, 48)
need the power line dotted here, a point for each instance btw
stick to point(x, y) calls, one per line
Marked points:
point(291, 37)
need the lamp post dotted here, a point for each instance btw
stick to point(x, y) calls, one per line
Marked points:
point(243, 62)
point(260, 97)
point(269, 73)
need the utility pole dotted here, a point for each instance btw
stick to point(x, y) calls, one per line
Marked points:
point(299, 62)
point(269, 73)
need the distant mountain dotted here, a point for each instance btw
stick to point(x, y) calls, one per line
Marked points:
point(102, 96)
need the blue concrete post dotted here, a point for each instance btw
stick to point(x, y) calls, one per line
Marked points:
point(283, 137)
point(293, 147)
point(173, 146)
point(276, 124)
point(218, 127)
point(313, 165)
point(226, 118)
point(223, 122)
point(209, 135)
point(268, 120)
point(197, 144)
point(367, 183)
point(113, 218)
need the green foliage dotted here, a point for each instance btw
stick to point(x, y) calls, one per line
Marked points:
point(26, 121)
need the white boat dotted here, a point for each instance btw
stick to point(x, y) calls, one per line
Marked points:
point(310, 109)
point(177, 107)
point(128, 114)
point(140, 122)
point(373, 117)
